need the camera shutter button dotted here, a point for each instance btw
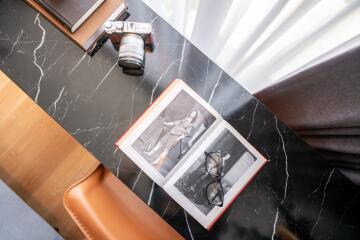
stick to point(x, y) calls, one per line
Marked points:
point(108, 24)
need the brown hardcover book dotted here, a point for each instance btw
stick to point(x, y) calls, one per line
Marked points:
point(90, 31)
point(69, 12)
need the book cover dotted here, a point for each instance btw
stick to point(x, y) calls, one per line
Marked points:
point(188, 149)
point(71, 13)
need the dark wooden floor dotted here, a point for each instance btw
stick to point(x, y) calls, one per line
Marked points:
point(38, 159)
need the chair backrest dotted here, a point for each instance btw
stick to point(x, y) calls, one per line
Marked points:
point(104, 208)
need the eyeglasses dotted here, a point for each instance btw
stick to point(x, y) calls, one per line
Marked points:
point(214, 166)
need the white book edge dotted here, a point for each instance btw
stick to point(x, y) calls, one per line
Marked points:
point(86, 16)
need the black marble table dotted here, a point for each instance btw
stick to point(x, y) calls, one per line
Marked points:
point(297, 192)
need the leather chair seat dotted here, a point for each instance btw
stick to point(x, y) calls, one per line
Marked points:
point(104, 208)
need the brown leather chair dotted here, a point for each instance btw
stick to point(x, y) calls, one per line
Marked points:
point(104, 208)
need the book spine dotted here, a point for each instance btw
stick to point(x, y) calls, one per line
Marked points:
point(55, 14)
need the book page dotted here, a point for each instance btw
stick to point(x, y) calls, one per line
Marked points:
point(161, 140)
point(240, 162)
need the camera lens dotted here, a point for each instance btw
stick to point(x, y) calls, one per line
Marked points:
point(131, 51)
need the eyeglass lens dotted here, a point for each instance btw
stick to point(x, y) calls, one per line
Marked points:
point(215, 194)
point(214, 166)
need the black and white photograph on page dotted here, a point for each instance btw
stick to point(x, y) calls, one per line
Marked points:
point(172, 134)
point(236, 160)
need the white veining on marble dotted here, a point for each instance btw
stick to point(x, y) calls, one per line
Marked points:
point(345, 211)
point(102, 126)
point(137, 179)
point(94, 136)
point(87, 143)
point(51, 66)
point(13, 46)
point(104, 78)
point(318, 187)
point(65, 111)
point(67, 107)
point(133, 96)
point(188, 226)
point(322, 203)
point(119, 162)
point(252, 121)
point(229, 216)
point(36, 41)
point(115, 151)
point(286, 160)
point(182, 58)
point(215, 86)
point(35, 56)
point(275, 222)
point(267, 154)
point(89, 60)
point(161, 77)
point(206, 76)
point(78, 131)
point(286, 180)
point(151, 193)
point(166, 208)
point(5, 38)
point(78, 63)
point(53, 107)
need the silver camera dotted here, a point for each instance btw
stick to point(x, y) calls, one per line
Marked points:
point(132, 40)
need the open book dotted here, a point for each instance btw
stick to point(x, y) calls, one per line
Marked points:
point(171, 142)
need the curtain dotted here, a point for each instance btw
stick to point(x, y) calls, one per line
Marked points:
point(260, 43)
point(322, 104)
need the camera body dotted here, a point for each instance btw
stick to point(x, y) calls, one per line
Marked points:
point(132, 39)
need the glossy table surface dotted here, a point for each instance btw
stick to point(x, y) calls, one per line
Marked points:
point(296, 193)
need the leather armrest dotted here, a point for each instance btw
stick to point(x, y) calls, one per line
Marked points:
point(104, 208)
